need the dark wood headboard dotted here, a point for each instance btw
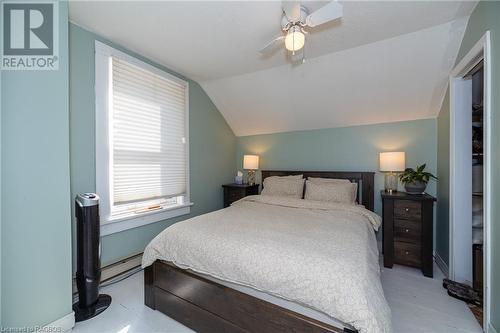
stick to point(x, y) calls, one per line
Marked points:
point(364, 180)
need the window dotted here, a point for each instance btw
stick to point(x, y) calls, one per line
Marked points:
point(142, 167)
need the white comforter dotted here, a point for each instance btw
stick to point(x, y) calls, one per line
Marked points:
point(321, 255)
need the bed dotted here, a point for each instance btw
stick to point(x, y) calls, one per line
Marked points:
point(272, 264)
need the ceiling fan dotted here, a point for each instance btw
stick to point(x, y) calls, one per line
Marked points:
point(296, 19)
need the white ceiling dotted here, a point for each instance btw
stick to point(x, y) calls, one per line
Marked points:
point(402, 78)
point(349, 78)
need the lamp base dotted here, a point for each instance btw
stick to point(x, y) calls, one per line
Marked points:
point(391, 182)
point(251, 177)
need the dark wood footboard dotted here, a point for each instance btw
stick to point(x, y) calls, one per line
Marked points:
point(208, 307)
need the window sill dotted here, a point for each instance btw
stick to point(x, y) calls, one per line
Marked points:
point(137, 220)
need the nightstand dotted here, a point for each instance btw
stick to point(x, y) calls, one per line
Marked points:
point(234, 192)
point(407, 230)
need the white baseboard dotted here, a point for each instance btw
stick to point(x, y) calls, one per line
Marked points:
point(63, 324)
point(120, 267)
point(491, 329)
point(441, 264)
point(117, 268)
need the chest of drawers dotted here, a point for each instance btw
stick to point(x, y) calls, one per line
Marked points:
point(408, 230)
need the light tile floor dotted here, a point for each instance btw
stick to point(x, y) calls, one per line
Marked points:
point(419, 305)
point(422, 305)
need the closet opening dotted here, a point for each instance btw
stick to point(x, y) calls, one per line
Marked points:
point(470, 193)
point(471, 290)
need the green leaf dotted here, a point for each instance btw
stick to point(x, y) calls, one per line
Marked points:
point(410, 175)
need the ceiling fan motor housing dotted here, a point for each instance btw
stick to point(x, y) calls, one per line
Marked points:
point(287, 24)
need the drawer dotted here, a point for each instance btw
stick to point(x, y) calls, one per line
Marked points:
point(253, 190)
point(408, 231)
point(407, 254)
point(236, 195)
point(407, 210)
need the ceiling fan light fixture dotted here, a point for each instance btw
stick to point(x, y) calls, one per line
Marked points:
point(294, 39)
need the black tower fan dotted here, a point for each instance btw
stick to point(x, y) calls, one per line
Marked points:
point(88, 261)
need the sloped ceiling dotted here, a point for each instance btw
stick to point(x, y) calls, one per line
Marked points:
point(384, 61)
point(401, 78)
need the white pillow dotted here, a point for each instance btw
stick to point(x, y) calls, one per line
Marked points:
point(340, 192)
point(327, 180)
point(286, 187)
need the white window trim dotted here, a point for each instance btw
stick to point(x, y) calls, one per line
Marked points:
point(110, 225)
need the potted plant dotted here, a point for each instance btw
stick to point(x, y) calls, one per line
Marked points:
point(415, 181)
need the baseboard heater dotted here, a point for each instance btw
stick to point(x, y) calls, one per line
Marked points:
point(116, 269)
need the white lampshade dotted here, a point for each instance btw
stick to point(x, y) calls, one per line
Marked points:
point(250, 162)
point(294, 39)
point(392, 161)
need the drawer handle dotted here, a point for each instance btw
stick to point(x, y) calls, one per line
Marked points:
point(407, 253)
point(407, 230)
point(407, 209)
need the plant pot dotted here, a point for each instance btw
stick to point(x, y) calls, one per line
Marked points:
point(415, 187)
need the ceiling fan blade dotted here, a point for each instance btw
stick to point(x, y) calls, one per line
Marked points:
point(328, 12)
point(272, 45)
point(292, 10)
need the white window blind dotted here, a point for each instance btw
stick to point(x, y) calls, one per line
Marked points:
point(142, 141)
point(148, 135)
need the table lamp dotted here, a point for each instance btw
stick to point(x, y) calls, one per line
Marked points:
point(251, 163)
point(390, 164)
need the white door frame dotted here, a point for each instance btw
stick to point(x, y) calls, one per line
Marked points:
point(480, 51)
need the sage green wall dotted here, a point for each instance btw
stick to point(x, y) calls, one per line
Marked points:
point(212, 146)
point(486, 16)
point(345, 149)
point(36, 220)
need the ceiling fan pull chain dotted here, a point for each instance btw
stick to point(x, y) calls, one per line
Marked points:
point(304, 54)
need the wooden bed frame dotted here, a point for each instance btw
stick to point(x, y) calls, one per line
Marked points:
point(209, 307)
